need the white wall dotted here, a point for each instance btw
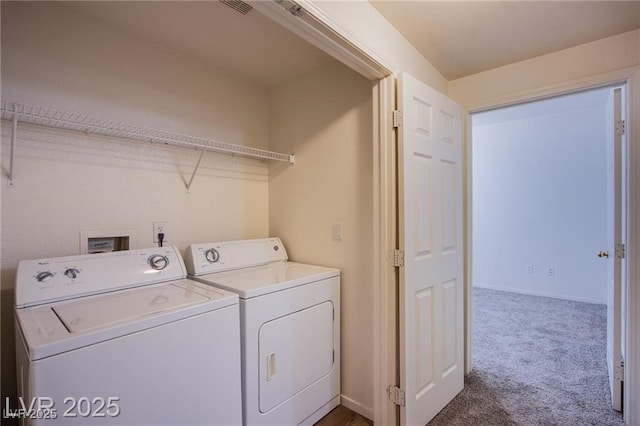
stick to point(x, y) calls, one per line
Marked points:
point(69, 182)
point(539, 197)
point(325, 117)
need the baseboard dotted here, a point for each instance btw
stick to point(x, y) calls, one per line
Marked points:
point(539, 293)
point(357, 407)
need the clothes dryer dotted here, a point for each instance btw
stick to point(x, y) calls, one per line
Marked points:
point(290, 322)
point(123, 338)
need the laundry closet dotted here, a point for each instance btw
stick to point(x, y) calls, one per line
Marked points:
point(117, 62)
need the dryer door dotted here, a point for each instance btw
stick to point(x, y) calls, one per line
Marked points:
point(295, 351)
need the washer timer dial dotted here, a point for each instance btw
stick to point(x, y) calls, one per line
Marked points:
point(71, 273)
point(158, 262)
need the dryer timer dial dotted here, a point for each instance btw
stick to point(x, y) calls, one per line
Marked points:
point(212, 255)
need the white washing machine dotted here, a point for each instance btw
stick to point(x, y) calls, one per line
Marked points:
point(290, 322)
point(123, 338)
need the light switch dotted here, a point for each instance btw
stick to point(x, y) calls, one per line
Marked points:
point(338, 231)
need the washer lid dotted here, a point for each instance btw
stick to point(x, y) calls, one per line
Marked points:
point(64, 326)
point(276, 276)
point(81, 316)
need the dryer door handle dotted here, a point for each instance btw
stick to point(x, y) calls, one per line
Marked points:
point(271, 366)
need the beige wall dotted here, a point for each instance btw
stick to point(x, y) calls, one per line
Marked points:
point(325, 117)
point(69, 182)
point(516, 80)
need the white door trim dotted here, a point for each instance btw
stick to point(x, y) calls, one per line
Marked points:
point(632, 338)
point(630, 77)
point(385, 237)
point(565, 87)
point(615, 201)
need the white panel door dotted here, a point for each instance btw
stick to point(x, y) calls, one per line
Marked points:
point(614, 260)
point(431, 281)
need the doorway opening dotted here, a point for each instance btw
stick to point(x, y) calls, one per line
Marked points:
point(540, 206)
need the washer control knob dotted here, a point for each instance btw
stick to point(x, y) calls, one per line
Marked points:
point(212, 255)
point(71, 273)
point(158, 262)
point(44, 276)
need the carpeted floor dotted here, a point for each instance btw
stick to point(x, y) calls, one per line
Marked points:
point(537, 361)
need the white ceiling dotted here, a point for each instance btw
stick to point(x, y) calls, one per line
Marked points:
point(458, 37)
point(466, 37)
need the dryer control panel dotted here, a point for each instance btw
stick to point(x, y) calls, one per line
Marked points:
point(208, 258)
point(47, 280)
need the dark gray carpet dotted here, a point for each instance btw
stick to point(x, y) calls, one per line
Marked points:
point(537, 361)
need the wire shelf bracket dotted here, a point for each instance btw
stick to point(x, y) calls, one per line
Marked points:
point(48, 117)
point(12, 155)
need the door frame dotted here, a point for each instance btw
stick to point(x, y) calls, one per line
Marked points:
point(630, 79)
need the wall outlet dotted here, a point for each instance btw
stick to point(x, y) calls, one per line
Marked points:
point(159, 227)
point(551, 271)
point(529, 269)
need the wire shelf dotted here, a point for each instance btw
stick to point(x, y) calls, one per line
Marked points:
point(49, 117)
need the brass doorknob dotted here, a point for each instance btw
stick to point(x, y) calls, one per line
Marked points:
point(603, 254)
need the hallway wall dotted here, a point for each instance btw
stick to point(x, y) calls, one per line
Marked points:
point(539, 197)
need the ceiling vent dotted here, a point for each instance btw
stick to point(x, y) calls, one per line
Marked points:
point(238, 6)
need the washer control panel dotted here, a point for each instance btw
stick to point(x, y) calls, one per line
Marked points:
point(208, 258)
point(46, 280)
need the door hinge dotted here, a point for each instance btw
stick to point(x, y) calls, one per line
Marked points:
point(620, 127)
point(396, 395)
point(619, 372)
point(398, 258)
point(397, 118)
point(620, 251)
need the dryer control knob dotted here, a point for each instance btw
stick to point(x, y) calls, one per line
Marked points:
point(158, 262)
point(44, 276)
point(212, 255)
point(72, 273)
